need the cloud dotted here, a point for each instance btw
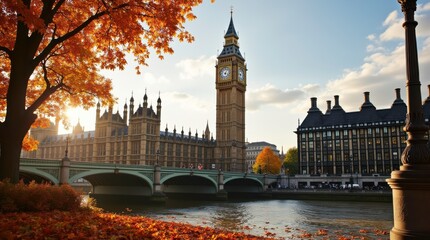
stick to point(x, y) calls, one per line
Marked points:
point(151, 79)
point(186, 100)
point(395, 20)
point(180, 96)
point(373, 48)
point(371, 37)
point(193, 68)
point(311, 88)
point(181, 109)
point(391, 18)
point(383, 69)
point(270, 95)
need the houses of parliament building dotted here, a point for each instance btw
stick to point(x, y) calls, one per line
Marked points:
point(136, 137)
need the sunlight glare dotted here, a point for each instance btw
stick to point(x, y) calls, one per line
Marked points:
point(77, 115)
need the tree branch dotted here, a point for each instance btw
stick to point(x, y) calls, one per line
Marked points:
point(46, 15)
point(6, 50)
point(49, 90)
point(72, 33)
point(45, 74)
point(42, 98)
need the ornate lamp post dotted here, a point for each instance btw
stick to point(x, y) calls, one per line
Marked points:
point(351, 179)
point(411, 184)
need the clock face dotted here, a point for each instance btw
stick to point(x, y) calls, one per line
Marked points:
point(224, 73)
point(241, 74)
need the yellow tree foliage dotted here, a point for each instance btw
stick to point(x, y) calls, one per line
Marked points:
point(291, 161)
point(52, 51)
point(267, 162)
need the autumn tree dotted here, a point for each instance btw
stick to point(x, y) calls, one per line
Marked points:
point(52, 51)
point(267, 162)
point(291, 161)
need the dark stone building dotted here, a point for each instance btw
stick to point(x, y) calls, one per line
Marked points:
point(369, 141)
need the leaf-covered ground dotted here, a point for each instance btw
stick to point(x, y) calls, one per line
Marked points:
point(93, 225)
point(27, 212)
point(98, 225)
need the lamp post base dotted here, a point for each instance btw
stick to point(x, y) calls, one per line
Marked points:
point(411, 196)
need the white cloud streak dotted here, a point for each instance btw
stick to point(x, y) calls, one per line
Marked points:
point(382, 71)
point(193, 68)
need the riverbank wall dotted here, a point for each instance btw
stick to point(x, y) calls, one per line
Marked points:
point(355, 195)
point(317, 195)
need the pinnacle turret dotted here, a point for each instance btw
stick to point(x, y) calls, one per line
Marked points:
point(231, 45)
point(231, 31)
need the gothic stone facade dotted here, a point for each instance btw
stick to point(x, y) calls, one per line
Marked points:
point(139, 142)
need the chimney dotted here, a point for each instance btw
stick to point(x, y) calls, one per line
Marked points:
point(367, 104)
point(398, 101)
point(398, 93)
point(336, 100)
point(314, 107)
point(366, 97)
point(328, 107)
point(313, 102)
point(336, 106)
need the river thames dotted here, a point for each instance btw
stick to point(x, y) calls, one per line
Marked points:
point(281, 219)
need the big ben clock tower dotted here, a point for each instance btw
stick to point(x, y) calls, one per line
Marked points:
point(230, 104)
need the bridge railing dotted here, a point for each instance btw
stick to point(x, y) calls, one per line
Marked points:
point(31, 161)
point(112, 165)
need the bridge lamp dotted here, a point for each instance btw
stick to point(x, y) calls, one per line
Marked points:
point(351, 179)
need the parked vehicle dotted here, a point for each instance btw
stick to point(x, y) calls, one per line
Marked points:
point(348, 186)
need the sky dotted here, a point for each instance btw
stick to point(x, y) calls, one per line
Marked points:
point(294, 50)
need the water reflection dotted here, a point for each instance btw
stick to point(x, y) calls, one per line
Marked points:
point(276, 216)
point(351, 216)
point(230, 217)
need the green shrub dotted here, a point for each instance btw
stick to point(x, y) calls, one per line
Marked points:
point(37, 197)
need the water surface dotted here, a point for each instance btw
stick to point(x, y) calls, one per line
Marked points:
point(279, 218)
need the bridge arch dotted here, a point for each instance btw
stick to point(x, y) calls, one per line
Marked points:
point(104, 181)
point(173, 175)
point(106, 171)
point(35, 174)
point(180, 183)
point(243, 185)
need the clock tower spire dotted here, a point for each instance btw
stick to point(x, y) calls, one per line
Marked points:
point(230, 108)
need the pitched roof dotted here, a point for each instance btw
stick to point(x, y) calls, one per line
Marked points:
point(367, 114)
point(231, 48)
point(231, 31)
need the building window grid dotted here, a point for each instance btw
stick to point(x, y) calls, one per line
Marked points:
point(367, 146)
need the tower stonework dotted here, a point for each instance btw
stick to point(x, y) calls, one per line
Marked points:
point(230, 104)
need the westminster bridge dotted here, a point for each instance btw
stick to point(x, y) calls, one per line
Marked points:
point(155, 182)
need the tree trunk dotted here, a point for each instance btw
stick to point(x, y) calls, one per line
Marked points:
point(18, 119)
point(12, 134)
point(10, 151)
